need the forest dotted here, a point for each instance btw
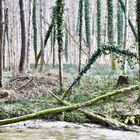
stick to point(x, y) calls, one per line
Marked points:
point(70, 60)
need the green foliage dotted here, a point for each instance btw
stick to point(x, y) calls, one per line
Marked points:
point(120, 54)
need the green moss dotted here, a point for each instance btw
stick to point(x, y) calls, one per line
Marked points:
point(76, 116)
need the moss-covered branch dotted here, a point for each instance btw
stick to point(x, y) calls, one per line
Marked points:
point(109, 122)
point(84, 70)
point(105, 49)
point(66, 108)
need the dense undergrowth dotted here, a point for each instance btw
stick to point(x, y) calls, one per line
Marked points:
point(98, 81)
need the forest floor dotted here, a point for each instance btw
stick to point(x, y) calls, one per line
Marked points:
point(31, 94)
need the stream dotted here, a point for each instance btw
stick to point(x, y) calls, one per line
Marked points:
point(43, 130)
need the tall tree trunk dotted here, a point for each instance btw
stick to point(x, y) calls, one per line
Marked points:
point(119, 24)
point(1, 40)
point(125, 35)
point(87, 26)
point(66, 46)
point(6, 38)
point(53, 35)
point(80, 32)
point(35, 31)
point(110, 30)
point(23, 38)
point(138, 24)
point(98, 23)
point(29, 36)
point(6, 33)
point(41, 36)
point(60, 26)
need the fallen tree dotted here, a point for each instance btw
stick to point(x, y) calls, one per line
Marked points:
point(68, 107)
point(102, 120)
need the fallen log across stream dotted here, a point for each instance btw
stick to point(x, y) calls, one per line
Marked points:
point(68, 107)
point(104, 120)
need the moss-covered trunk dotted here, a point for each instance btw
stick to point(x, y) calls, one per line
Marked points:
point(60, 27)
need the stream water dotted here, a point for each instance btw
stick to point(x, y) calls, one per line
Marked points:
point(42, 130)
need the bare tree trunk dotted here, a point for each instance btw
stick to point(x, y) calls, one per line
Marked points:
point(4, 43)
point(138, 24)
point(98, 23)
point(35, 32)
point(1, 40)
point(6, 33)
point(125, 34)
point(29, 36)
point(41, 36)
point(53, 34)
point(110, 30)
point(80, 33)
point(23, 38)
